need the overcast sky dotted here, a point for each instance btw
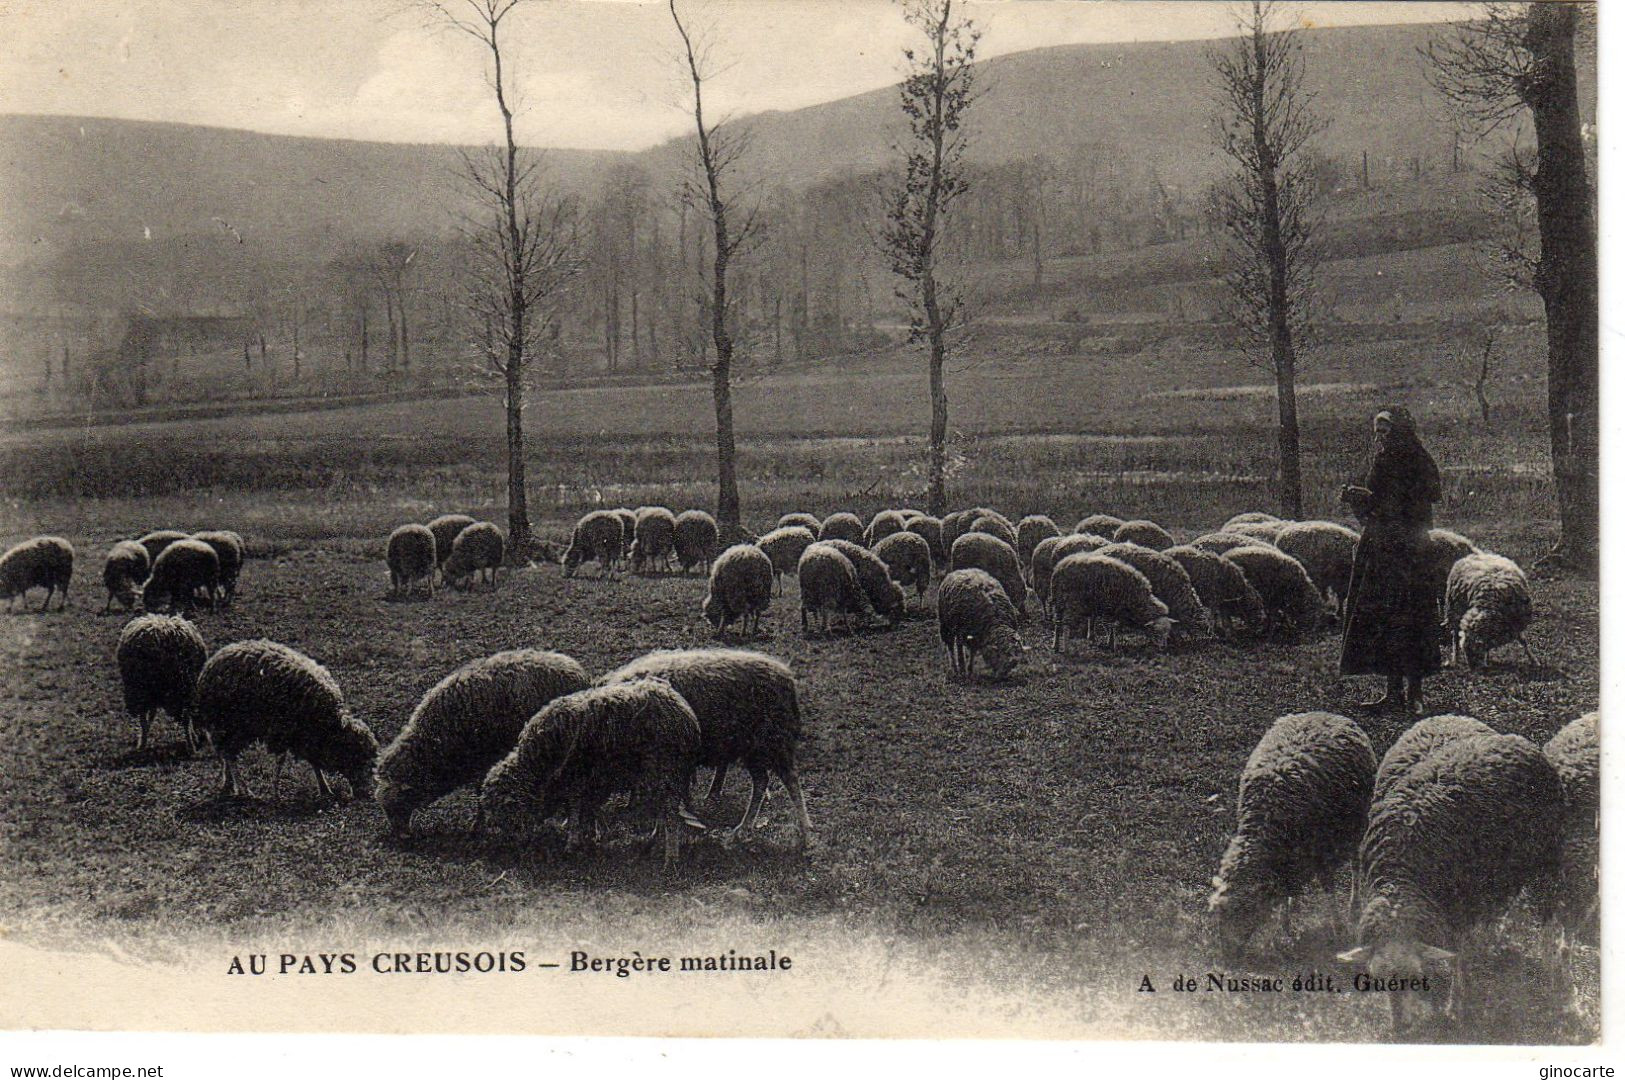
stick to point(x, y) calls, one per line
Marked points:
point(591, 73)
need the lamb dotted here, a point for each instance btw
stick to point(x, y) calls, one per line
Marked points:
point(741, 588)
point(995, 527)
point(158, 539)
point(466, 723)
point(262, 691)
point(806, 521)
point(1486, 605)
point(1251, 517)
point(841, 526)
point(882, 525)
point(829, 582)
point(445, 529)
point(783, 547)
point(907, 556)
point(44, 561)
point(1088, 586)
point(975, 616)
point(651, 546)
point(1417, 742)
point(748, 713)
point(1147, 534)
point(1047, 554)
point(159, 658)
point(694, 540)
point(1221, 587)
point(1289, 596)
point(478, 549)
point(1573, 754)
point(411, 557)
point(1300, 813)
point(1222, 543)
point(1030, 531)
point(179, 571)
point(598, 535)
point(230, 550)
point(986, 552)
point(874, 577)
point(1326, 550)
point(1169, 583)
point(637, 737)
point(1098, 525)
point(1450, 843)
point(1439, 553)
point(931, 528)
point(126, 568)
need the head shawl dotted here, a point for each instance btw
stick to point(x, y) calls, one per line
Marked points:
point(1402, 471)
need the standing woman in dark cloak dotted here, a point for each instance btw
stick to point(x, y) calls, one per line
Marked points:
point(1391, 621)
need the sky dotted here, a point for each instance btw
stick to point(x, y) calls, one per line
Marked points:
point(600, 74)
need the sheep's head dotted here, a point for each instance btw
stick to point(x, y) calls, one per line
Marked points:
point(398, 801)
point(892, 604)
point(1002, 651)
point(1160, 629)
point(572, 559)
point(1238, 907)
point(1415, 978)
point(714, 614)
point(127, 594)
point(1473, 635)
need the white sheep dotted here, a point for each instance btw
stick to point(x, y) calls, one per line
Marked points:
point(1170, 583)
point(1326, 550)
point(829, 582)
point(741, 587)
point(1030, 532)
point(1486, 605)
point(1051, 551)
point(1088, 586)
point(1221, 587)
point(783, 547)
point(1147, 534)
point(1289, 594)
point(1573, 752)
point(975, 617)
point(907, 556)
point(984, 551)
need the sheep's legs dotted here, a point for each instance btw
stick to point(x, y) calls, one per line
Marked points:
point(718, 775)
point(1527, 651)
point(758, 794)
point(792, 785)
point(276, 778)
point(322, 784)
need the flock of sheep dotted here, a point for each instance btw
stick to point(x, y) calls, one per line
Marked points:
point(1451, 824)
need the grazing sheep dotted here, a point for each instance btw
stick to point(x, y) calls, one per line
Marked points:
point(741, 588)
point(466, 723)
point(1486, 605)
point(783, 547)
point(262, 691)
point(806, 521)
point(1087, 586)
point(629, 531)
point(158, 539)
point(996, 528)
point(44, 561)
point(1439, 553)
point(1326, 550)
point(599, 535)
point(1046, 555)
point(882, 525)
point(1573, 753)
point(908, 514)
point(829, 582)
point(907, 556)
point(1289, 596)
point(445, 529)
point(159, 658)
point(984, 551)
point(874, 577)
point(230, 550)
point(126, 568)
point(1265, 531)
point(1417, 742)
point(411, 557)
point(694, 540)
point(179, 571)
point(478, 549)
point(1222, 588)
point(1451, 842)
point(746, 706)
point(652, 539)
point(975, 616)
point(1300, 813)
point(1030, 531)
point(931, 528)
point(1251, 517)
point(959, 523)
point(1147, 534)
point(1098, 525)
point(841, 526)
point(638, 738)
point(1169, 583)
point(1221, 543)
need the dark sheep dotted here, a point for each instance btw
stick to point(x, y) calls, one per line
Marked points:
point(829, 582)
point(1222, 588)
point(445, 529)
point(159, 658)
point(882, 525)
point(478, 549)
point(1147, 534)
point(885, 595)
point(180, 570)
point(265, 692)
point(748, 712)
point(1290, 597)
point(806, 521)
point(599, 535)
point(629, 531)
point(652, 539)
point(783, 547)
point(1326, 550)
point(45, 562)
point(741, 587)
point(124, 572)
point(931, 529)
point(465, 724)
point(983, 551)
point(158, 539)
point(694, 538)
point(411, 557)
point(975, 618)
point(842, 526)
point(1030, 532)
point(907, 556)
point(1051, 551)
point(230, 550)
point(638, 738)
point(1098, 525)
point(1169, 583)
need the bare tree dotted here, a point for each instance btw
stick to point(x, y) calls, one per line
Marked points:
point(938, 89)
point(1266, 209)
point(391, 266)
point(522, 249)
point(1517, 61)
point(734, 228)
